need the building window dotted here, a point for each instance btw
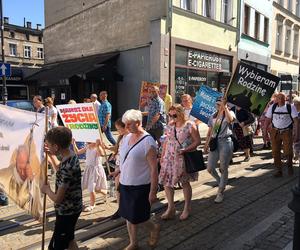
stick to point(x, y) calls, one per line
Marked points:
point(257, 25)
point(290, 5)
point(12, 34)
point(298, 8)
point(296, 43)
point(281, 2)
point(191, 5)
point(266, 30)
point(27, 37)
point(279, 36)
point(40, 39)
point(246, 19)
point(27, 51)
point(209, 8)
point(226, 15)
point(288, 40)
point(40, 53)
point(12, 49)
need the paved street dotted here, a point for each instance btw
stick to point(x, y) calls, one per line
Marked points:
point(254, 215)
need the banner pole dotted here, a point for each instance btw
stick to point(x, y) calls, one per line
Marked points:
point(46, 181)
point(101, 137)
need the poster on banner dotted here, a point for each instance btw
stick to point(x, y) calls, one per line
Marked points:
point(81, 119)
point(144, 93)
point(251, 88)
point(204, 104)
point(21, 153)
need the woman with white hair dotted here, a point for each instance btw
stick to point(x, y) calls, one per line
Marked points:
point(138, 178)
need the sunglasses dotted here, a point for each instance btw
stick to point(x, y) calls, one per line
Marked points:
point(173, 116)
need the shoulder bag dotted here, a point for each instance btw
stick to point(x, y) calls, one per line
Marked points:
point(193, 160)
point(213, 142)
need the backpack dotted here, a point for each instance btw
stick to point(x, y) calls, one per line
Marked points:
point(289, 110)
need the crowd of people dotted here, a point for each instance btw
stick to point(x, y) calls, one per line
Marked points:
point(153, 155)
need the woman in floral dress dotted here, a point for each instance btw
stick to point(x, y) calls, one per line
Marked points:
point(181, 136)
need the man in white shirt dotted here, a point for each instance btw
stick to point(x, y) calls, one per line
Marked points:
point(282, 115)
point(94, 99)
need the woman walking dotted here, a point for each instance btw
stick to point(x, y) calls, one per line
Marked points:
point(138, 178)
point(219, 127)
point(181, 136)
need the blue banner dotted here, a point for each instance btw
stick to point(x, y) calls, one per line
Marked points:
point(204, 104)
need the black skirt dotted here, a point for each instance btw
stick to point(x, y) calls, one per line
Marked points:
point(134, 203)
point(244, 141)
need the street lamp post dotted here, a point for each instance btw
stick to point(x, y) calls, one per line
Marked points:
point(4, 88)
point(294, 205)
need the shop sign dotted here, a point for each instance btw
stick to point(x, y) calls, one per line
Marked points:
point(204, 60)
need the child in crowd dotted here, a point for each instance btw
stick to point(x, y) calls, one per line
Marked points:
point(67, 197)
point(94, 178)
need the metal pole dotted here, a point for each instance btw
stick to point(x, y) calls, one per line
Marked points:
point(4, 88)
point(294, 205)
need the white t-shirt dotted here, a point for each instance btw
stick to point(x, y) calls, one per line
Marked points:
point(53, 121)
point(188, 115)
point(281, 121)
point(135, 170)
point(97, 106)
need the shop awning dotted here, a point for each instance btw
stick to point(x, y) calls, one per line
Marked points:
point(67, 69)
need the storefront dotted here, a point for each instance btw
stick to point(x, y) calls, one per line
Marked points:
point(195, 67)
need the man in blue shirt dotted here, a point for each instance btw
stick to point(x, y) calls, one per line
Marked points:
point(156, 114)
point(104, 115)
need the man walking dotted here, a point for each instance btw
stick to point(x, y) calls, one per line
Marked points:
point(156, 114)
point(104, 115)
point(282, 115)
point(94, 99)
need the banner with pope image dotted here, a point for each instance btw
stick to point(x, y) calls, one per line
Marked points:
point(82, 120)
point(21, 153)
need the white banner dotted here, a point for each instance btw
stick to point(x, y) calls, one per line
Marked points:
point(21, 149)
point(81, 119)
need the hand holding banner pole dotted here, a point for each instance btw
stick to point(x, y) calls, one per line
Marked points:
point(46, 181)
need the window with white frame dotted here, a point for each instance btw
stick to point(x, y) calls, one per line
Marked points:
point(279, 36)
point(296, 43)
point(13, 49)
point(226, 14)
point(40, 53)
point(209, 7)
point(246, 29)
point(288, 40)
point(266, 30)
point(27, 51)
point(257, 25)
point(191, 5)
point(298, 8)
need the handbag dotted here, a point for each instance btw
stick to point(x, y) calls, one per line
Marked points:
point(193, 160)
point(247, 130)
point(213, 142)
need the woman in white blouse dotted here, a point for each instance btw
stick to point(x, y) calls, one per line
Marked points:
point(138, 178)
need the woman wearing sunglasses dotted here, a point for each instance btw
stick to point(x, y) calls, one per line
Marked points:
point(181, 136)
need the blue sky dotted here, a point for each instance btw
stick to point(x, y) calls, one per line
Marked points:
point(16, 10)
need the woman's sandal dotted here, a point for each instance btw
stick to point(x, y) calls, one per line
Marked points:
point(168, 215)
point(154, 236)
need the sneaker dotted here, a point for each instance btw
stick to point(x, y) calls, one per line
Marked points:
point(247, 159)
point(116, 215)
point(219, 198)
point(3, 200)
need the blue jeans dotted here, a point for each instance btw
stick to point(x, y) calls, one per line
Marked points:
point(109, 136)
point(224, 154)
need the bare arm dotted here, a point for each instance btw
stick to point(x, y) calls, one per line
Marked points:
point(77, 150)
point(208, 136)
point(152, 161)
point(57, 197)
point(267, 123)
